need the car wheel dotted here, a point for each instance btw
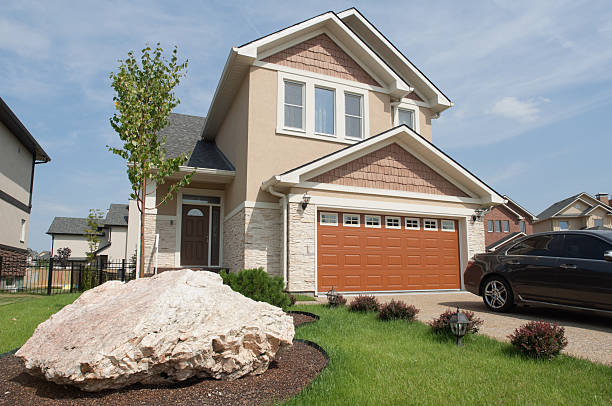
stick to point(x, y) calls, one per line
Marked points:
point(497, 294)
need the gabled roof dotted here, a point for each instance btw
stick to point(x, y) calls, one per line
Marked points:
point(395, 75)
point(405, 137)
point(183, 136)
point(555, 208)
point(68, 225)
point(524, 210)
point(504, 240)
point(10, 120)
point(117, 215)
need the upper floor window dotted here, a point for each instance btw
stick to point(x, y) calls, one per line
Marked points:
point(325, 122)
point(405, 116)
point(294, 105)
point(523, 226)
point(563, 225)
point(353, 111)
point(22, 237)
point(506, 224)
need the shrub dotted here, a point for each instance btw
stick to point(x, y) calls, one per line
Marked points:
point(539, 339)
point(364, 304)
point(292, 298)
point(441, 324)
point(395, 310)
point(340, 301)
point(258, 285)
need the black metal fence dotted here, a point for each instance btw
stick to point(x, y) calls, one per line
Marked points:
point(51, 276)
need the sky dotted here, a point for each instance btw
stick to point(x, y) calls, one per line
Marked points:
point(531, 84)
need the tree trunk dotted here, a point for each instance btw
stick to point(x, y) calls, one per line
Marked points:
point(142, 220)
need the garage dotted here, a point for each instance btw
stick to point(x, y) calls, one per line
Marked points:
point(386, 252)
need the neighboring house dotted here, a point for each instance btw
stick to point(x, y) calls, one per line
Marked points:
point(19, 154)
point(316, 162)
point(506, 222)
point(70, 232)
point(578, 212)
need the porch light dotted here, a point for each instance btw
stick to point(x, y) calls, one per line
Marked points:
point(332, 297)
point(305, 200)
point(478, 214)
point(459, 324)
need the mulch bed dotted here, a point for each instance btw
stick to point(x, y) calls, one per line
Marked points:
point(294, 368)
point(300, 318)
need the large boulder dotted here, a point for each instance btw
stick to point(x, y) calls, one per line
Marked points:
point(167, 328)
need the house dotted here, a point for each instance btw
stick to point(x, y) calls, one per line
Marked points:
point(70, 232)
point(506, 222)
point(578, 212)
point(19, 155)
point(316, 162)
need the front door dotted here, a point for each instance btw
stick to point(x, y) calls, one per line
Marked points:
point(194, 235)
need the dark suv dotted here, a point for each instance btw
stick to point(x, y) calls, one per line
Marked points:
point(564, 268)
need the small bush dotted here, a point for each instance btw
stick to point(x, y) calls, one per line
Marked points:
point(340, 301)
point(397, 310)
point(364, 304)
point(258, 285)
point(441, 324)
point(292, 298)
point(539, 339)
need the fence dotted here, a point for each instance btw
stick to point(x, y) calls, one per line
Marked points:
point(51, 277)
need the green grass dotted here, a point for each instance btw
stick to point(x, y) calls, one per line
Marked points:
point(396, 363)
point(304, 298)
point(21, 314)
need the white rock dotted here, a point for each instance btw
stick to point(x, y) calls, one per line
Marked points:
point(167, 328)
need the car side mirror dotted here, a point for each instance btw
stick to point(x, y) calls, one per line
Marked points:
point(608, 255)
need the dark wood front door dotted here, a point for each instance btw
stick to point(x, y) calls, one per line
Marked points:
point(194, 235)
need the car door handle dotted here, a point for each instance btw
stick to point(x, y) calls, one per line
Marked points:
point(568, 266)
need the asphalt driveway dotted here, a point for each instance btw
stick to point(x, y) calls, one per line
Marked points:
point(589, 334)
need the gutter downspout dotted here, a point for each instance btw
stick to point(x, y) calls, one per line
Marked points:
point(283, 203)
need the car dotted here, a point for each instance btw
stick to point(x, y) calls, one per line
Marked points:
point(565, 269)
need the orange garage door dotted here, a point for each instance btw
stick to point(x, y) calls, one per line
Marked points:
point(372, 252)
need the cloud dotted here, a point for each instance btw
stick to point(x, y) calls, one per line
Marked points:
point(511, 107)
point(511, 171)
point(22, 39)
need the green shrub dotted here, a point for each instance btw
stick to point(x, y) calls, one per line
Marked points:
point(364, 304)
point(258, 285)
point(397, 310)
point(539, 339)
point(441, 324)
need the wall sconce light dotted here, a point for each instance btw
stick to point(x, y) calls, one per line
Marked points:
point(305, 200)
point(478, 214)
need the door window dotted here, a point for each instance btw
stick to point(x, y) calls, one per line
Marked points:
point(585, 247)
point(542, 245)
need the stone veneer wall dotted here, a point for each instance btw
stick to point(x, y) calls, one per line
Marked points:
point(262, 242)
point(233, 241)
point(301, 248)
point(167, 243)
point(475, 237)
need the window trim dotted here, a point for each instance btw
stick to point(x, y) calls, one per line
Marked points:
point(449, 230)
point(418, 226)
point(345, 215)
point(362, 117)
point(523, 226)
point(399, 222)
point(492, 228)
point(365, 221)
point(407, 106)
point(328, 213)
point(430, 229)
point(504, 224)
point(303, 106)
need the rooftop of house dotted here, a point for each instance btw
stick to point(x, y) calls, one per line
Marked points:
point(117, 215)
point(554, 208)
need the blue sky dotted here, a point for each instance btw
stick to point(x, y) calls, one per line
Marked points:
point(531, 83)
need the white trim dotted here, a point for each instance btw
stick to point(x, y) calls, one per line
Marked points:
point(407, 106)
point(207, 171)
point(344, 217)
point(533, 217)
point(302, 86)
point(418, 221)
point(393, 218)
point(22, 235)
point(283, 131)
point(372, 216)
point(425, 228)
point(327, 213)
point(447, 230)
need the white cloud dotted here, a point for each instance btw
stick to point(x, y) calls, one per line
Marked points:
point(22, 39)
point(511, 107)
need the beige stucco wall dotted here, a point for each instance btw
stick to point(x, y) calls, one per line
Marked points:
point(169, 208)
point(118, 238)
point(15, 166)
point(10, 225)
point(425, 123)
point(380, 116)
point(77, 243)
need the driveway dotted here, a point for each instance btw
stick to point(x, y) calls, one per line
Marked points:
point(589, 335)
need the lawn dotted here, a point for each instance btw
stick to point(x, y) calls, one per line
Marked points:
point(396, 363)
point(304, 298)
point(20, 314)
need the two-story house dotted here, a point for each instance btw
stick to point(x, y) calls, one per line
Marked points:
point(577, 212)
point(506, 222)
point(19, 154)
point(316, 162)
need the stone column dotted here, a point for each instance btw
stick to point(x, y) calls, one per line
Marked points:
point(301, 248)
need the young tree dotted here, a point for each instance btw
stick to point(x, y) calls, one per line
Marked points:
point(63, 254)
point(94, 220)
point(144, 99)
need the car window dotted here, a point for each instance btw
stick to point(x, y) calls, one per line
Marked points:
point(585, 247)
point(541, 245)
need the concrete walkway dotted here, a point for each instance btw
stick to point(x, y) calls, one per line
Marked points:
point(589, 334)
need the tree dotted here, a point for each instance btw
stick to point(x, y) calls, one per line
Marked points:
point(92, 233)
point(63, 254)
point(144, 99)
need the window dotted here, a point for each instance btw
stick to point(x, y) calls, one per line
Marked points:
point(412, 224)
point(506, 225)
point(372, 221)
point(585, 247)
point(294, 105)
point(497, 226)
point(448, 225)
point(542, 245)
point(490, 226)
point(393, 222)
point(429, 224)
point(350, 220)
point(353, 112)
point(563, 225)
point(405, 116)
point(598, 222)
point(23, 231)
point(523, 227)
point(329, 219)
point(325, 121)
point(195, 213)
point(201, 199)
